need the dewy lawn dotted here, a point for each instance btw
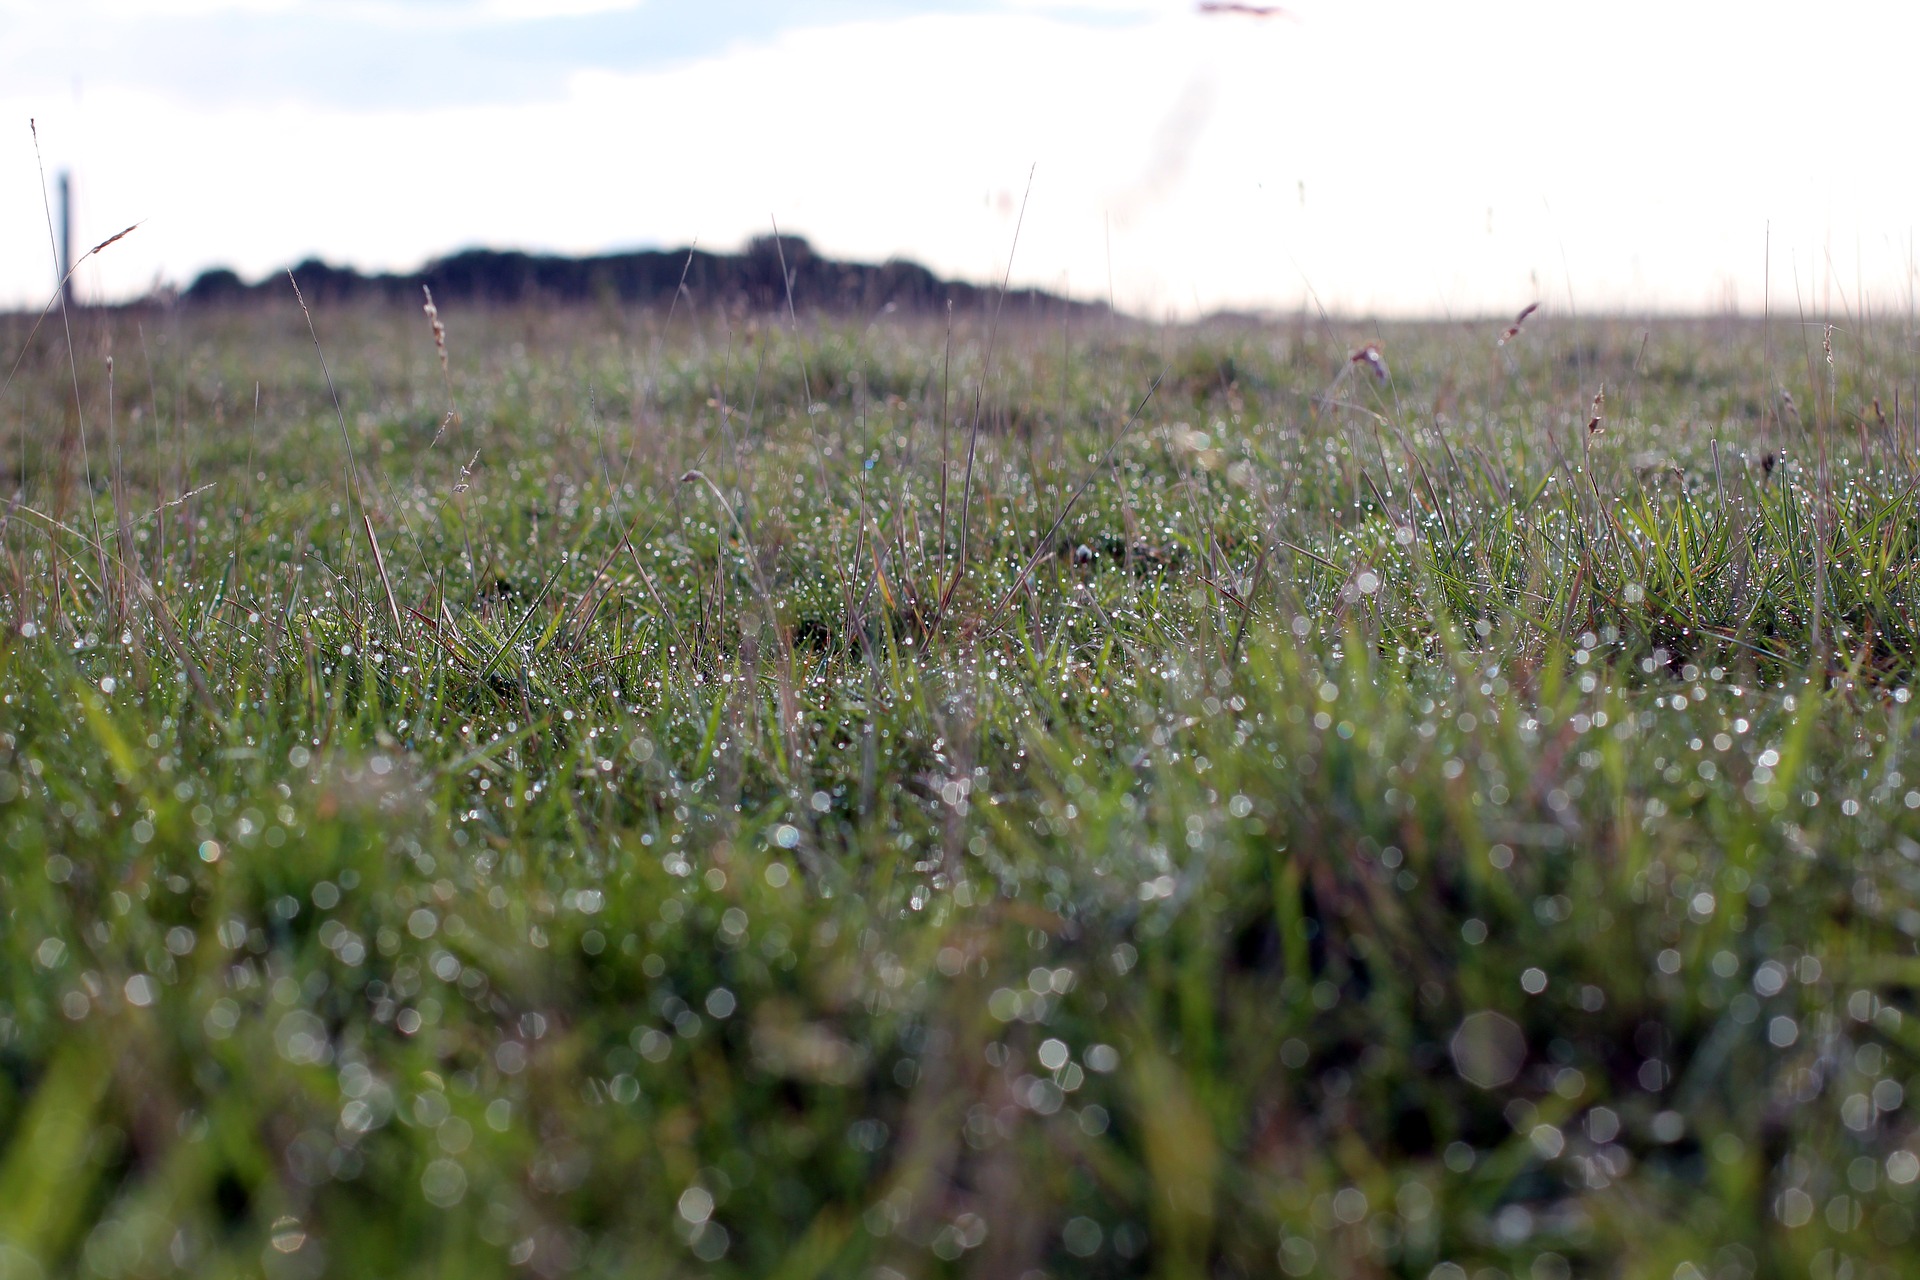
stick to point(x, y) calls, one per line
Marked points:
point(734, 798)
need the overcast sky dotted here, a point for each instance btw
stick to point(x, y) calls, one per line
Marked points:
point(1400, 156)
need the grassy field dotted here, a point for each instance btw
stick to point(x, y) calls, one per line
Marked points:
point(653, 798)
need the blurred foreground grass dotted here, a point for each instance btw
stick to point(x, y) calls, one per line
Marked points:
point(654, 815)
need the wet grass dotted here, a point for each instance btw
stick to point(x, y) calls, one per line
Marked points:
point(691, 800)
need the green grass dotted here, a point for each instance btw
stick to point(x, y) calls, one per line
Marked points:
point(1270, 821)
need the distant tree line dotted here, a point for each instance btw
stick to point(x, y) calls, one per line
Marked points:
point(751, 281)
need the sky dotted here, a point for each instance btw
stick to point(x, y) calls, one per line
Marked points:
point(1397, 157)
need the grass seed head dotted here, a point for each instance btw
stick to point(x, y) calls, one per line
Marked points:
point(466, 474)
point(439, 330)
point(1513, 330)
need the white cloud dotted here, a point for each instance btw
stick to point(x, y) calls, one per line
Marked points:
point(523, 10)
point(85, 10)
point(376, 12)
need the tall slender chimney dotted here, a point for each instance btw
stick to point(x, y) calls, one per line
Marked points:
point(66, 240)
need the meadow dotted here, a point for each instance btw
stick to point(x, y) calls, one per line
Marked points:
point(606, 792)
